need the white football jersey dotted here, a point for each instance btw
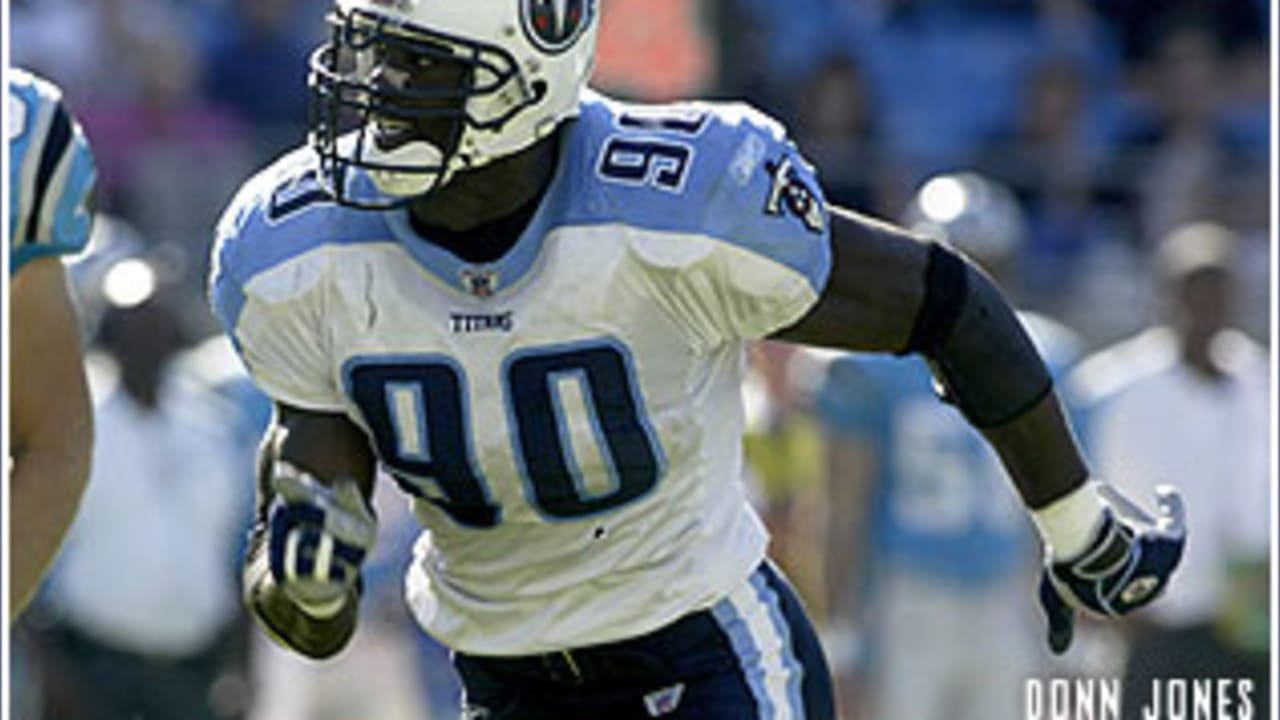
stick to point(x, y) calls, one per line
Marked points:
point(567, 419)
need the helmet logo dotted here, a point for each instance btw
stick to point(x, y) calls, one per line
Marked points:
point(553, 26)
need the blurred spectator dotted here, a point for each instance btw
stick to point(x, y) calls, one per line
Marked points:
point(58, 38)
point(1050, 160)
point(1070, 28)
point(1178, 152)
point(1143, 24)
point(838, 130)
point(101, 48)
point(169, 158)
point(173, 158)
point(788, 39)
point(929, 553)
point(969, 65)
point(1186, 403)
point(144, 618)
point(256, 54)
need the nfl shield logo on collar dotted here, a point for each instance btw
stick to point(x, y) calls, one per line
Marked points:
point(480, 282)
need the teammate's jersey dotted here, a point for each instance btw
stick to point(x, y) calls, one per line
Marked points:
point(567, 418)
point(51, 173)
point(942, 504)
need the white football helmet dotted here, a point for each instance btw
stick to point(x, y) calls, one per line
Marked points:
point(413, 91)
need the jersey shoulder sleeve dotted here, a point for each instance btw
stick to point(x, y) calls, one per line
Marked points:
point(718, 196)
point(52, 173)
point(270, 270)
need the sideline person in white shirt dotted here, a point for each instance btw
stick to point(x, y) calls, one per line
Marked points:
point(144, 597)
point(1186, 402)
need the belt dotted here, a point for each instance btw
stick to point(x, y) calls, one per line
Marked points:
point(642, 658)
point(578, 667)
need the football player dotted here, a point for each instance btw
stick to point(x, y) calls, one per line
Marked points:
point(51, 183)
point(945, 549)
point(528, 303)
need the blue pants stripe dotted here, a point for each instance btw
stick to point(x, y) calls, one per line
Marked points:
point(782, 626)
point(744, 646)
point(816, 689)
point(762, 625)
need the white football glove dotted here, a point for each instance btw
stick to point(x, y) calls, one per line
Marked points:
point(1127, 563)
point(319, 536)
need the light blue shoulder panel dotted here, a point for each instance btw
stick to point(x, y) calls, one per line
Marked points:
point(279, 214)
point(721, 170)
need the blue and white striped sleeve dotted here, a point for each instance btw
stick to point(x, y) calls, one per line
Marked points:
point(51, 174)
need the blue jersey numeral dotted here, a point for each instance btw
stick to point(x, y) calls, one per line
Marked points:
point(417, 410)
point(649, 156)
point(296, 195)
point(628, 447)
point(662, 164)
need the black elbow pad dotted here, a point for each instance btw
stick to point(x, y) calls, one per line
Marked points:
point(978, 350)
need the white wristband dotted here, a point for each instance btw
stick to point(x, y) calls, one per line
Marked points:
point(1067, 525)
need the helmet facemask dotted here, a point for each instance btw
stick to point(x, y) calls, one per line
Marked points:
point(406, 105)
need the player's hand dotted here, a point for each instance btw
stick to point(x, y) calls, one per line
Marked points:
point(319, 537)
point(1125, 566)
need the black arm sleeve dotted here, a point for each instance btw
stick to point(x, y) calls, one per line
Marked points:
point(979, 352)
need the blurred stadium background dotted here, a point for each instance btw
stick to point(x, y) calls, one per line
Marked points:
point(1113, 122)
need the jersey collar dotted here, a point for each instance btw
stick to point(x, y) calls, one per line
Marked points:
point(482, 280)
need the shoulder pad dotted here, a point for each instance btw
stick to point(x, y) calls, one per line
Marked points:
point(284, 211)
point(280, 213)
point(724, 171)
point(686, 150)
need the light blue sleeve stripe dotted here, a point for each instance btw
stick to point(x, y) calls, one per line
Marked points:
point(21, 256)
point(227, 298)
point(72, 219)
point(18, 148)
